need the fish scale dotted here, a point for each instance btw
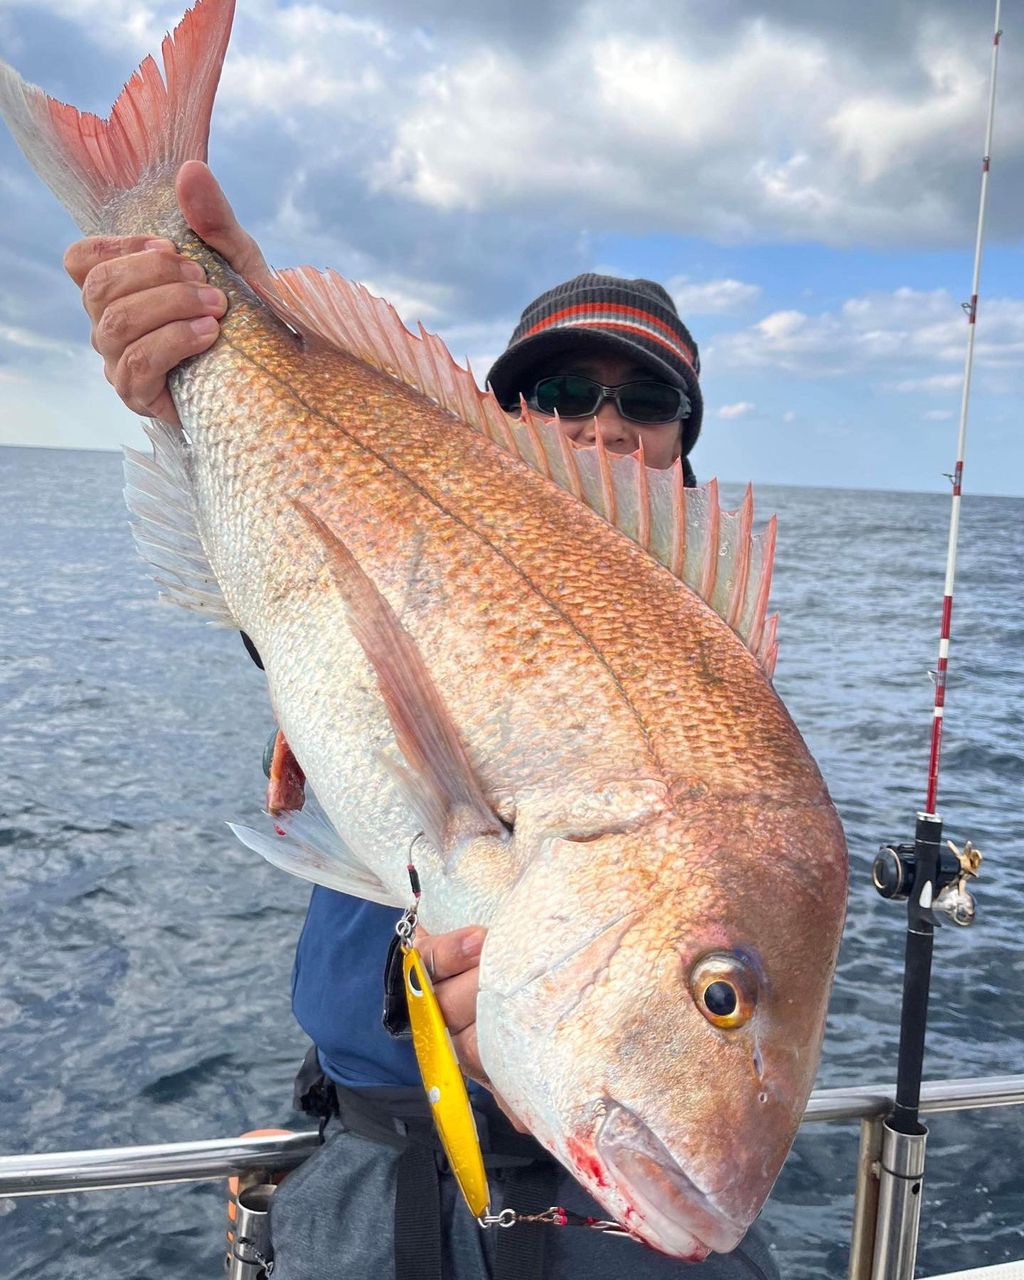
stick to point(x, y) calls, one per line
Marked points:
point(629, 617)
point(508, 660)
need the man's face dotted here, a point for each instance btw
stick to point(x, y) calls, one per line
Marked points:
point(662, 441)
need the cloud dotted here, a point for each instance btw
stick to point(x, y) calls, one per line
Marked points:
point(473, 154)
point(878, 127)
point(26, 339)
point(119, 29)
point(769, 121)
point(938, 382)
point(530, 25)
point(306, 62)
point(674, 134)
point(738, 410)
point(711, 297)
point(461, 159)
point(47, 400)
point(880, 330)
point(937, 415)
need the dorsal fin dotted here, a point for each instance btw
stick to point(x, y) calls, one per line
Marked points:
point(713, 551)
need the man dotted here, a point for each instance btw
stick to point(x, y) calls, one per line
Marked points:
point(609, 356)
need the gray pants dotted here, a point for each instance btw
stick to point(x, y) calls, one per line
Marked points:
point(333, 1219)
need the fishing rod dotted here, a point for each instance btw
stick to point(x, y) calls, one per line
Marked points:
point(931, 877)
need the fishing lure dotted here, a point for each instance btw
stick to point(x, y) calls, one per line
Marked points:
point(441, 1074)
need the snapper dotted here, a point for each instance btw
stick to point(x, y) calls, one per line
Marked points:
point(543, 670)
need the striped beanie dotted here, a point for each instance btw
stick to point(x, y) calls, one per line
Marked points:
point(632, 318)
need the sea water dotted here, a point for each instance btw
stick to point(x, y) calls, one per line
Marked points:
point(145, 956)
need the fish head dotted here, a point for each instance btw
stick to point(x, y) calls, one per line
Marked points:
point(652, 1006)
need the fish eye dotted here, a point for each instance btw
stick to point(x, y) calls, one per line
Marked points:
point(721, 999)
point(724, 989)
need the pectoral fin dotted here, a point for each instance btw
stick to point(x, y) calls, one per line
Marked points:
point(437, 777)
point(304, 844)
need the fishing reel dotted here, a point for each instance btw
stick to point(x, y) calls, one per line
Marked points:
point(894, 873)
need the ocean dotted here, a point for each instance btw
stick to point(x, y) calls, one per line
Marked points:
point(145, 955)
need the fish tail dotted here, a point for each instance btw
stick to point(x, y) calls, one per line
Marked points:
point(157, 123)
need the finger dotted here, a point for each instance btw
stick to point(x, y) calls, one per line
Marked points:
point(446, 954)
point(162, 408)
point(457, 998)
point(127, 319)
point(467, 1051)
point(118, 278)
point(516, 1123)
point(140, 376)
point(82, 256)
point(211, 217)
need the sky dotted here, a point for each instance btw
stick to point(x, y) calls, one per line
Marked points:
point(803, 177)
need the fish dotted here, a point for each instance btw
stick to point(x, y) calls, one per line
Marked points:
point(539, 673)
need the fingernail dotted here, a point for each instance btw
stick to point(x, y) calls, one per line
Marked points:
point(192, 270)
point(159, 245)
point(472, 943)
point(204, 326)
point(212, 298)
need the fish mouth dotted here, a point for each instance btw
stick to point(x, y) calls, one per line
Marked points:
point(667, 1206)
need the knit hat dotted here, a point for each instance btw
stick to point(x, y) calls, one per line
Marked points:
point(634, 318)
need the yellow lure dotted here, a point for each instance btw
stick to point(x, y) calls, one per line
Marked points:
point(446, 1089)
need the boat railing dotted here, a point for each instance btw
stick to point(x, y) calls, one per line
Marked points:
point(52, 1173)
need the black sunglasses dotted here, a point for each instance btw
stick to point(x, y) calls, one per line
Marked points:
point(570, 395)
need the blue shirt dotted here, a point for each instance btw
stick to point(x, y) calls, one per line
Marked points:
point(338, 991)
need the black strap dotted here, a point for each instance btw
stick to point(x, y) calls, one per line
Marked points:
point(417, 1215)
point(396, 1003)
point(401, 1118)
point(312, 1092)
point(519, 1251)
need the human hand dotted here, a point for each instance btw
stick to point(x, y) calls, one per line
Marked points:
point(453, 962)
point(150, 307)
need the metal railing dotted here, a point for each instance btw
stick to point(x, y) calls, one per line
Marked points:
point(110, 1168)
point(116, 1167)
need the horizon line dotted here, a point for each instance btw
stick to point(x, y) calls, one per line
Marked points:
point(765, 484)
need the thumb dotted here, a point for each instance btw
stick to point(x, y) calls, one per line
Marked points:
point(208, 213)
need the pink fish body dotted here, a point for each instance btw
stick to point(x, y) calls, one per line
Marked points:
point(544, 672)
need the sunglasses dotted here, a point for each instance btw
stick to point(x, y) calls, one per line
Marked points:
point(572, 396)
